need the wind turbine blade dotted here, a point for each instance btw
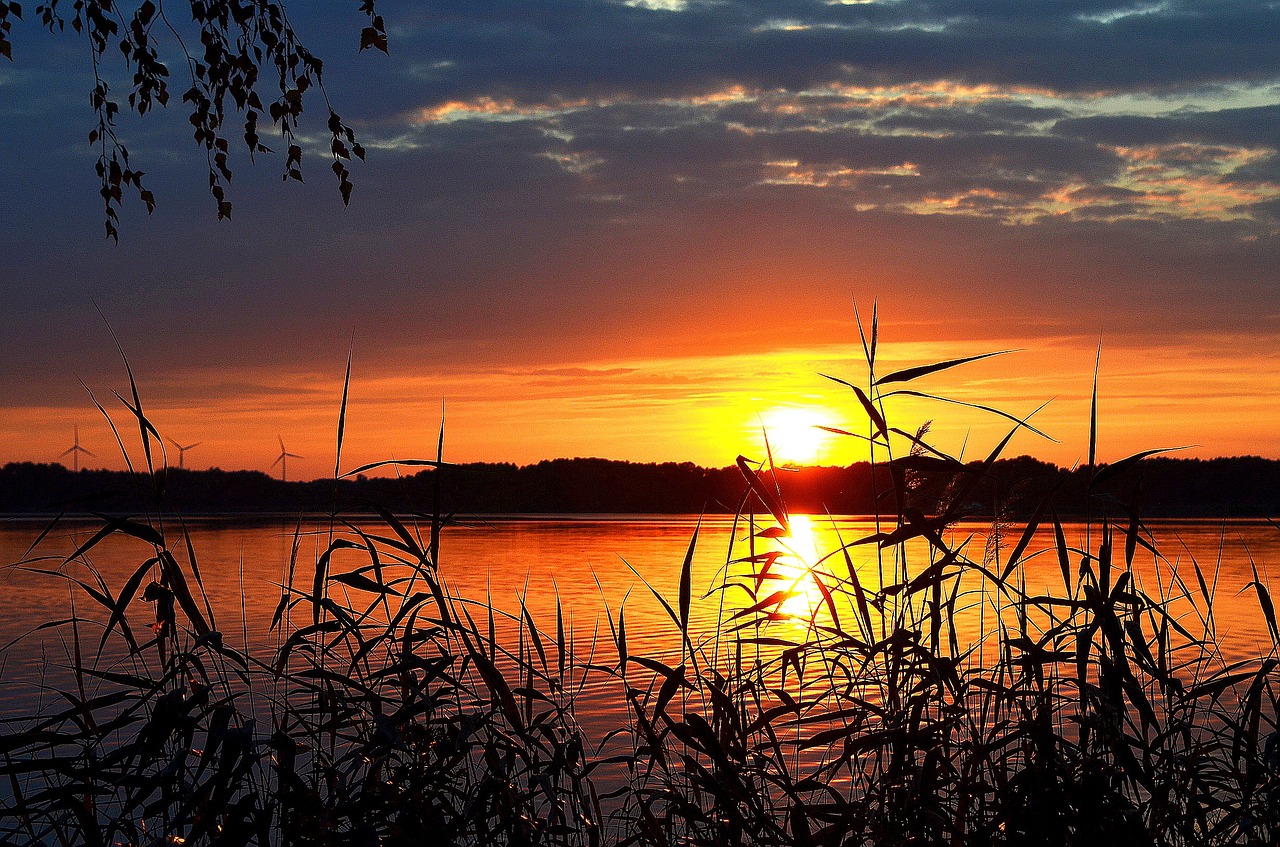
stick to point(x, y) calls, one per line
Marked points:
point(88, 452)
point(294, 456)
point(279, 459)
point(65, 452)
point(281, 440)
point(189, 446)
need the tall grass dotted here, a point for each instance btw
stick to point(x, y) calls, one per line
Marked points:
point(392, 711)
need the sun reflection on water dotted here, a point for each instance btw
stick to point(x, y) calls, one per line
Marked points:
point(800, 550)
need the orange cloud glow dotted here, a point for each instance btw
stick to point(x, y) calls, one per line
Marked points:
point(708, 409)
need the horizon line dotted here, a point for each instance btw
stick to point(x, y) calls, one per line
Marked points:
point(782, 466)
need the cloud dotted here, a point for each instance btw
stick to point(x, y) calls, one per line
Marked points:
point(1252, 127)
point(927, 148)
point(579, 48)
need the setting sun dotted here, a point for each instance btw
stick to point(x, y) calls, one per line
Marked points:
point(795, 434)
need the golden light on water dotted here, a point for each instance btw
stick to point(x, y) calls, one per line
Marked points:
point(795, 568)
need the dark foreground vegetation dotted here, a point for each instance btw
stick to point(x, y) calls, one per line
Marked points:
point(392, 712)
point(1246, 486)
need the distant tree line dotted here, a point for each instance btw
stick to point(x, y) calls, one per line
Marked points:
point(1161, 487)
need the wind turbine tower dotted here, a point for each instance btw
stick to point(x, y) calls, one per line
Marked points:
point(182, 451)
point(283, 460)
point(74, 451)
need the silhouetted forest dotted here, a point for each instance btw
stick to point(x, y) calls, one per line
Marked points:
point(1161, 487)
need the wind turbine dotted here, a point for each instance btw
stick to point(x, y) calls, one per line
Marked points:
point(182, 451)
point(283, 460)
point(75, 450)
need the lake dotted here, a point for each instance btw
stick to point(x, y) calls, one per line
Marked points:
point(591, 563)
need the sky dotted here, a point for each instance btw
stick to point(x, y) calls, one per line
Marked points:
point(638, 230)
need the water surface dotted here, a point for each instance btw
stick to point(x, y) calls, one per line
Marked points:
point(593, 565)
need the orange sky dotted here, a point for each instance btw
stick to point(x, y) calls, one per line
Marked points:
point(1219, 394)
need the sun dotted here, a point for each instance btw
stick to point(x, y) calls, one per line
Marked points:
point(794, 434)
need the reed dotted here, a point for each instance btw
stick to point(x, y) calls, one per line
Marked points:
point(392, 711)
